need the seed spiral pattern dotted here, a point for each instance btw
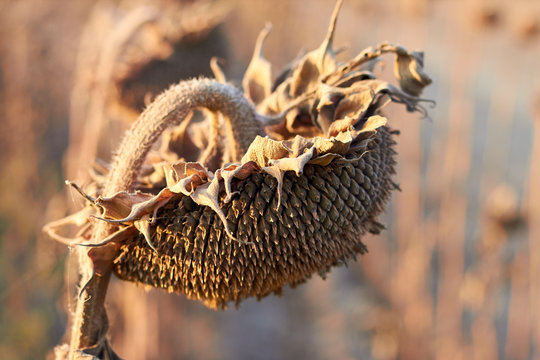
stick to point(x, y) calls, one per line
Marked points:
point(319, 224)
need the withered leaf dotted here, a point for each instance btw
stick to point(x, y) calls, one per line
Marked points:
point(181, 170)
point(257, 81)
point(298, 145)
point(119, 205)
point(409, 70)
point(79, 219)
point(207, 195)
point(133, 205)
point(177, 140)
point(324, 159)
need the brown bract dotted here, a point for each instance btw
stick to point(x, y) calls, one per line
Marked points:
point(220, 226)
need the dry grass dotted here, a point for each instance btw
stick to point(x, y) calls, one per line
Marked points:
point(455, 276)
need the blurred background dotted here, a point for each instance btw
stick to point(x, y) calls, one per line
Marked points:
point(456, 275)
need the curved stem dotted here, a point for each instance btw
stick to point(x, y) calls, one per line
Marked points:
point(168, 109)
point(172, 107)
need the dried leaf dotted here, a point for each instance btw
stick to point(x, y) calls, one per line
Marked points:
point(134, 206)
point(409, 70)
point(298, 145)
point(355, 104)
point(177, 142)
point(325, 159)
point(119, 236)
point(78, 219)
point(329, 99)
point(183, 178)
point(246, 170)
point(181, 170)
point(278, 167)
point(351, 78)
point(257, 80)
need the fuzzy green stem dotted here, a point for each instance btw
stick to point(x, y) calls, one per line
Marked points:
point(170, 108)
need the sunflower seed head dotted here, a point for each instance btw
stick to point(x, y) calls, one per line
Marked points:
point(221, 213)
point(324, 212)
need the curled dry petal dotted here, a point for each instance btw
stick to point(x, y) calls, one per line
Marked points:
point(236, 172)
point(120, 205)
point(263, 149)
point(317, 63)
point(409, 70)
point(257, 80)
point(207, 195)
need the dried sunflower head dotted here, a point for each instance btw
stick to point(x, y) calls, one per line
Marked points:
point(225, 210)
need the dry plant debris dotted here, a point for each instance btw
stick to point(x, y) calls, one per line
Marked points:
point(259, 190)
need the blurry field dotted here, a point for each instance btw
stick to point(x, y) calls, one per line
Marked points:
point(456, 275)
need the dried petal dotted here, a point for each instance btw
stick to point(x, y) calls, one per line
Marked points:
point(120, 205)
point(409, 70)
point(235, 171)
point(257, 80)
point(373, 123)
point(219, 74)
point(317, 63)
point(143, 225)
point(335, 145)
point(133, 205)
point(207, 195)
point(263, 149)
point(78, 219)
point(295, 164)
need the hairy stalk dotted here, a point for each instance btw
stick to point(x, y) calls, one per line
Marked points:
point(170, 108)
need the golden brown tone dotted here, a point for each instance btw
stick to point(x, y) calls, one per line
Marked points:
point(247, 193)
point(253, 214)
point(449, 277)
